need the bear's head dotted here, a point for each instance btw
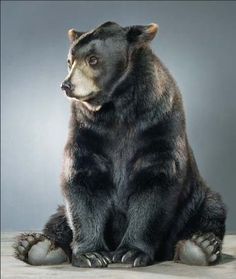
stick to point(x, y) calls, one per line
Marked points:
point(99, 60)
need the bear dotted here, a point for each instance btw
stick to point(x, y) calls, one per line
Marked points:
point(132, 190)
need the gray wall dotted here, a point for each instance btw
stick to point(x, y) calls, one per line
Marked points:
point(197, 43)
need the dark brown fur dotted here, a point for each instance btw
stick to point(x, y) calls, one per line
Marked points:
point(132, 185)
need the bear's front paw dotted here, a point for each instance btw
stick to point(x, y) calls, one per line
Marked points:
point(91, 259)
point(135, 257)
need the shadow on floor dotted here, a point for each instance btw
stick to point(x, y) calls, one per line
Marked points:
point(181, 270)
point(226, 259)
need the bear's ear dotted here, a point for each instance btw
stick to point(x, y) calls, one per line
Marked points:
point(74, 35)
point(142, 33)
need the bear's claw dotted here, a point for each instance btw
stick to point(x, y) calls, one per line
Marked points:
point(91, 259)
point(134, 257)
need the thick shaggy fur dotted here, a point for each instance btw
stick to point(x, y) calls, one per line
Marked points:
point(131, 185)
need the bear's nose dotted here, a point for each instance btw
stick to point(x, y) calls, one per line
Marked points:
point(67, 86)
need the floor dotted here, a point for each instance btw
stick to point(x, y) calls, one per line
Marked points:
point(12, 268)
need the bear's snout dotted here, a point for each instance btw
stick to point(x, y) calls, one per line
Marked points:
point(67, 87)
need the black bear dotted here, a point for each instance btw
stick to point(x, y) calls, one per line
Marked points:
point(132, 190)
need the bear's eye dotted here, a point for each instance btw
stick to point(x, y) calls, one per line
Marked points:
point(92, 60)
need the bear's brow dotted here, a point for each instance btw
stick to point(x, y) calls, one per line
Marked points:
point(100, 33)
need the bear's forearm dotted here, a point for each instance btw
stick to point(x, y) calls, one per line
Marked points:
point(86, 217)
point(148, 218)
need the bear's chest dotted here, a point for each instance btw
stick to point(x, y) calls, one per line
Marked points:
point(121, 151)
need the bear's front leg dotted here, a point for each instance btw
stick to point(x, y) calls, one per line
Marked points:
point(152, 202)
point(148, 217)
point(137, 245)
point(87, 202)
point(87, 220)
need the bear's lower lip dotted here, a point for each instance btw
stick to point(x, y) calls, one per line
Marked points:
point(86, 98)
point(70, 94)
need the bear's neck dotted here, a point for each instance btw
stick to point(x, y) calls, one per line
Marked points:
point(140, 84)
point(145, 88)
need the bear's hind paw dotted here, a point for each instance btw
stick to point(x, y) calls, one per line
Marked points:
point(37, 249)
point(201, 249)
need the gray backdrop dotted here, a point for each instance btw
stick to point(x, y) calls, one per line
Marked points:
point(197, 42)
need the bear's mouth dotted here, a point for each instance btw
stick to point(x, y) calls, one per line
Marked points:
point(90, 97)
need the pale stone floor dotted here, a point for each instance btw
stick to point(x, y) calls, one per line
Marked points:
point(12, 268)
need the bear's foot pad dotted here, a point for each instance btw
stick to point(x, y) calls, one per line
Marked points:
point(201, 249)
point(37, 249)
